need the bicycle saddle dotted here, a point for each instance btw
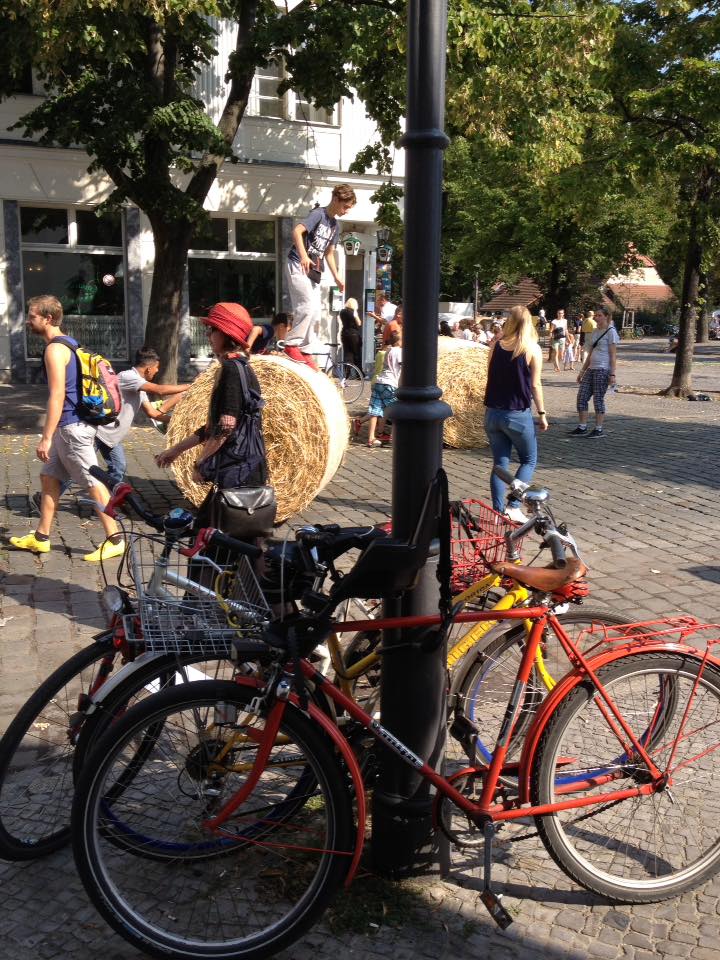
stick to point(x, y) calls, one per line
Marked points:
point(545, 579)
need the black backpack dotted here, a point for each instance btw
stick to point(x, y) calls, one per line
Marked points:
point(244, 451)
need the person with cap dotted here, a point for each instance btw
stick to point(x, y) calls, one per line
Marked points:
point(229, 329)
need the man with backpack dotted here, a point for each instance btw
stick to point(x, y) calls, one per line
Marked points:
point(67, 445)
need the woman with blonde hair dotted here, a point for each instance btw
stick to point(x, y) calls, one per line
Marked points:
point(513, 382)
point(350, 334)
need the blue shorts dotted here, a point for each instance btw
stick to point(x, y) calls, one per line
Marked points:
point(381, 396)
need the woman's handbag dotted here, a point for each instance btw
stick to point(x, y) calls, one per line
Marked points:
point(244, 512)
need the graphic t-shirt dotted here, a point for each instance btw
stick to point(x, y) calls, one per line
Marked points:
point(133, 397)
point(322, 232)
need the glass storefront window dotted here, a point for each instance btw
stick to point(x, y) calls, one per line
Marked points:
point(94, 231)
point(91, 289)
point(43, 225)
point(249, 282)
point(257, 236)
point(212, 235)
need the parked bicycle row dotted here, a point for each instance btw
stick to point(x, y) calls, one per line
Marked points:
point(210, 753)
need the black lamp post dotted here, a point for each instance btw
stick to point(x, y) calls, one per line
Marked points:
point(413, 684)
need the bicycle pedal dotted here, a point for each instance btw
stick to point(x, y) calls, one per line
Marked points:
point(493, 902)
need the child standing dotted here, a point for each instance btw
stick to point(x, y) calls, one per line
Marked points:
point(385, 387)
point(569, 353)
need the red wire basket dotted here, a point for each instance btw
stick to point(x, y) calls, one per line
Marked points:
point(477, 539)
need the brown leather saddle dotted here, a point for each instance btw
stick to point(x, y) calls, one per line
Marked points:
point(545, 579)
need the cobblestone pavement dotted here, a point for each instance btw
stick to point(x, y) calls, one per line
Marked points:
point(642, 503)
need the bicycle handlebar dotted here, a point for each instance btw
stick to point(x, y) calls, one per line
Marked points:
point(219, 539)
point(123, 493)
point(551, 536)
point(556, 549)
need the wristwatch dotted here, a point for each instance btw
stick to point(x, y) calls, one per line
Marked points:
point(541, 413)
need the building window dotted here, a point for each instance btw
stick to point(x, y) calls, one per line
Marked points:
point(77, 257)
point(266, 102)
point(211, 235)
point(256, 236)
point(269, 103)
point(304, 110)
point(244, 272)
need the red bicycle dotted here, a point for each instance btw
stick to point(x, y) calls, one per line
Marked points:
point(246, 813)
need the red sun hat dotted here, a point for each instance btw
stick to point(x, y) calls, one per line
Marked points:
point(231, 319)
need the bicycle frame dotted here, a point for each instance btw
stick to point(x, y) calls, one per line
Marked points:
point(486, 809)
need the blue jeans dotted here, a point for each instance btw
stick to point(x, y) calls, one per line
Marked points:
point(115, 461)
point(508, 429)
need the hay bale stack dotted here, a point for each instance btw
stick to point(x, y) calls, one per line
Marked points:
point(462, 375)
point(305, 423)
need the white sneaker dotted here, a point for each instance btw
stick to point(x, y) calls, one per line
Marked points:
point(516, 515)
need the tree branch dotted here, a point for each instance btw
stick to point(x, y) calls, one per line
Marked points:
point(242, 71)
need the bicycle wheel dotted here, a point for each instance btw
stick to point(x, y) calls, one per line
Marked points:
point(349, 380)
point(195, 895)
point(489, 675)
point(646, 848)
point(43, 749)
point(36, 782)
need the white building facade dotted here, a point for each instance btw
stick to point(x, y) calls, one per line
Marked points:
point(290, 156)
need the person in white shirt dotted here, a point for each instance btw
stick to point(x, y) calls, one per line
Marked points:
point(558, 331)
point(596, 375)
point(384, 389)
point(384, 309)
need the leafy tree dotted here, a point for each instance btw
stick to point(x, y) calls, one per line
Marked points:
point(119, 80)
point(665, 87)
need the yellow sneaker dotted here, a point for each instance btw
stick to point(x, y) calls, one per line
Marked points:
point(29, 542)
point(106, 551)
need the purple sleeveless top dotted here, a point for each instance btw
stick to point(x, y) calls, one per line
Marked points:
point(509, 381)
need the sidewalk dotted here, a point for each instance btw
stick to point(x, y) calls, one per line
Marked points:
point(643, 505)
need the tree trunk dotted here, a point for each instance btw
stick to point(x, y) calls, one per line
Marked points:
point(162, 331)
point(551, 300)
point(702, 330)
point(680, 385)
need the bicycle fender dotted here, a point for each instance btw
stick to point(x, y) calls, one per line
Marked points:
point(574, 679)
point(350, 759)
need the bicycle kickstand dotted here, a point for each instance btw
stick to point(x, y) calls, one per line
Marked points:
point(492, 900)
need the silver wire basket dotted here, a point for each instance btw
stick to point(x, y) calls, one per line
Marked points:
point(192, 605)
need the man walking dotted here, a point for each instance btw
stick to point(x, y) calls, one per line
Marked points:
point(314, 242)
point(67, 445)
point(596, 375)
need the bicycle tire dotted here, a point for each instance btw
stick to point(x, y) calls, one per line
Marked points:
point(38, 768)
point(350, 381)
point(36, 781)
point(488, 675)
point(642, 849)
point(250, 906)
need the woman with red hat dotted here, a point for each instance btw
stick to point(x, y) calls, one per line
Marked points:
point(233, 449)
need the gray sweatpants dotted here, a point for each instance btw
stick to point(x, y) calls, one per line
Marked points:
point(305, 297)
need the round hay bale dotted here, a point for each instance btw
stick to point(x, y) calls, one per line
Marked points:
point(462, 375)
point(305, 424)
